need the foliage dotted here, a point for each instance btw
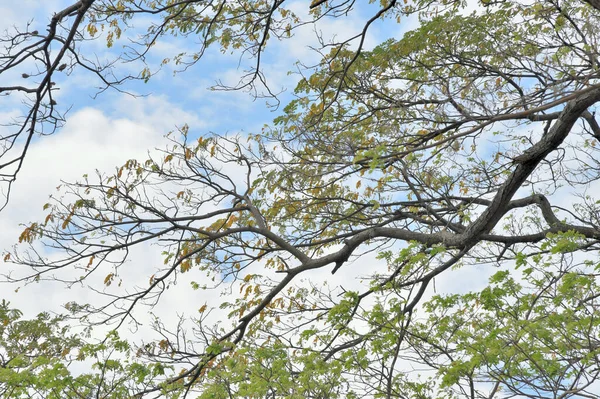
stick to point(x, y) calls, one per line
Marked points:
point(42, 358)
point(469, 144)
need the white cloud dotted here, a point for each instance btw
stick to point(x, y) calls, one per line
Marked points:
point(17, 15)
point(91, 140)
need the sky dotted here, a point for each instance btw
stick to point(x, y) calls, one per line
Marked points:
point(104, 131)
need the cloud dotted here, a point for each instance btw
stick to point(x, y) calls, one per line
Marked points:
point(92, 139)
point(17, 14)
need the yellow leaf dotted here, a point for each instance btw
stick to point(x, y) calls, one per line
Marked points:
point(163, 344)
point(50, 217)
point(230, 221)
point(202, 308)
point(66, 222)
point(169, 158)
point(108, 279)
point(185, 266)
point(7, 257)
point(28, 234)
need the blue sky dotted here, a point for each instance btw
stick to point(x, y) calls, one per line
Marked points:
point(103, 132)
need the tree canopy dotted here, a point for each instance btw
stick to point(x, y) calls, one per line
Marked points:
point(466, 145)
